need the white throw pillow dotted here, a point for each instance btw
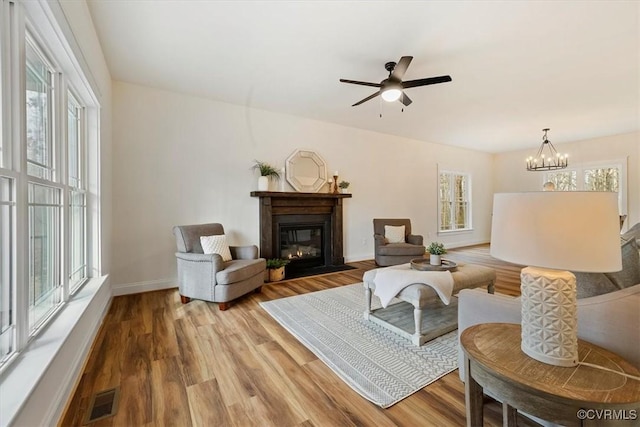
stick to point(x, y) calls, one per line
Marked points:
point(216, 245)
point(394, 234)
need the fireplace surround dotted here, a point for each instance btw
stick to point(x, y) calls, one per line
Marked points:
point(305, 228)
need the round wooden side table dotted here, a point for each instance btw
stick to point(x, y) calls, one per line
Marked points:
point(570, 396)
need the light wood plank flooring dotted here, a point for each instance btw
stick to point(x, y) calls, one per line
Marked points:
point(192, 364)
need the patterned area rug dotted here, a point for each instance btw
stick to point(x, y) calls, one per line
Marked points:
point(378, 364)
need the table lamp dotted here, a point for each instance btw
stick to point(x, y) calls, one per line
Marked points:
point(552, 232)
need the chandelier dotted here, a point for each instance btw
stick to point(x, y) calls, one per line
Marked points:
point(547, 157)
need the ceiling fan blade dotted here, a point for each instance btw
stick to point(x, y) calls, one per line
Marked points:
point(355, 82)
point(427, 81)
point(405, 99)
point(366, 99)
point(401, 67)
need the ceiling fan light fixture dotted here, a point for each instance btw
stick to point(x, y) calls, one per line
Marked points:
point(391, 94)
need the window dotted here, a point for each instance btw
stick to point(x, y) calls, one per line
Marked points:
point(455, 201)
point(39, 103)
point(602, 179)
point(600, 176)
point(45, 287)
point(563, 181)
point(47, 153)
point(7, 217)
point(77, 198)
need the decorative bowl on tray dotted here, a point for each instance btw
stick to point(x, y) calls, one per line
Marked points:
point(422, 264)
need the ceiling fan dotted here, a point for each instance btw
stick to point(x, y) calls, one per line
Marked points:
point(392, 88)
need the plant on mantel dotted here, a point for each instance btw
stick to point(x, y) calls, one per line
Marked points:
point(267, 172)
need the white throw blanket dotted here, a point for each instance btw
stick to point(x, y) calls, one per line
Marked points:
point(391, 280)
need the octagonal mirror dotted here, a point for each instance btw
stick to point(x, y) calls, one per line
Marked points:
point(306, 171)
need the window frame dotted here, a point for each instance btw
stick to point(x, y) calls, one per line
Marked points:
point(468, 226)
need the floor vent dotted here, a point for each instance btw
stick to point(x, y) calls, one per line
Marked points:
point(103, 404)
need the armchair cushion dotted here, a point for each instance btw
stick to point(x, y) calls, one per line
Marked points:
point(394, 234)
point(216, 245)
point(240, 269)
point(395, 249)
point(244, 252)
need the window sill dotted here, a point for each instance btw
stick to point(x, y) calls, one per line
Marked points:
point(462, 230)
point(70, 335)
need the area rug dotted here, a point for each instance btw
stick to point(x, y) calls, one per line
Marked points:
point(381, 366)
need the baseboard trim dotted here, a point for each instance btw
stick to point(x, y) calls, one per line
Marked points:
point(145, 286)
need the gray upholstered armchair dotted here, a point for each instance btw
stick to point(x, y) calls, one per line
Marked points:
point(396, 253)
point(207, 276)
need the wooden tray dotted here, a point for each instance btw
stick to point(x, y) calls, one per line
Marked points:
point(422, 264)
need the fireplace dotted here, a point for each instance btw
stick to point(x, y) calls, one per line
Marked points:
point(304, 240)
point(305, 228)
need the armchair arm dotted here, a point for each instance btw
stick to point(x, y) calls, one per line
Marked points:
point(415, 239)
point(216, 259)
point(378, 240)
point(244, 252)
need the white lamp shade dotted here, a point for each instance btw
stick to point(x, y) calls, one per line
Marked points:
point(576, 231)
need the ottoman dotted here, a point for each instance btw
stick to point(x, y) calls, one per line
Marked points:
point(423, 302)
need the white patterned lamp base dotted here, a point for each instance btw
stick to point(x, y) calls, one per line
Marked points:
point(549, 316)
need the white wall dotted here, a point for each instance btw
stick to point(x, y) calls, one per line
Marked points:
point(510, 173)
point(180, 159)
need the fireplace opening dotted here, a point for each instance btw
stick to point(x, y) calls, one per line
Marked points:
point(303, 245)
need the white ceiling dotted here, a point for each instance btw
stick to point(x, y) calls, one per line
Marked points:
point(517, 66)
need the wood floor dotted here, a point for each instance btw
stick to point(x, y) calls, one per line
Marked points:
point(192, 364)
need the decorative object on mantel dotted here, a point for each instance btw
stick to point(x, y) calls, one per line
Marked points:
point(306, 171)
point(282, 172)
point(330, 186)
point(436, 249)
point(275, 267)
point(546, 162)
point(343, 186)
point(267, 172)
point(335, 182)
point(552, 232)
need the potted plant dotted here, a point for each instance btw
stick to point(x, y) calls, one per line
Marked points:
point(275, 266)
point(343, 186)
point(266, 172)
point(436, 249)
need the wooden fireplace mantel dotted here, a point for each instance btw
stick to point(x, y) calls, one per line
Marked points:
point(295, 195)
point(274, 204)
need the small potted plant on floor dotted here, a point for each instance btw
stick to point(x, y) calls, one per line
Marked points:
point(343, 186)
point(267, 172)
point(275, 267)
point(436, 249)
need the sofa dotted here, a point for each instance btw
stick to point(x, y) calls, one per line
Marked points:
point(608, 315)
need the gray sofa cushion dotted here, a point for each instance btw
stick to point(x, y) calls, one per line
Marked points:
point(630, 273)
point(592, 284)
point(633, 233)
